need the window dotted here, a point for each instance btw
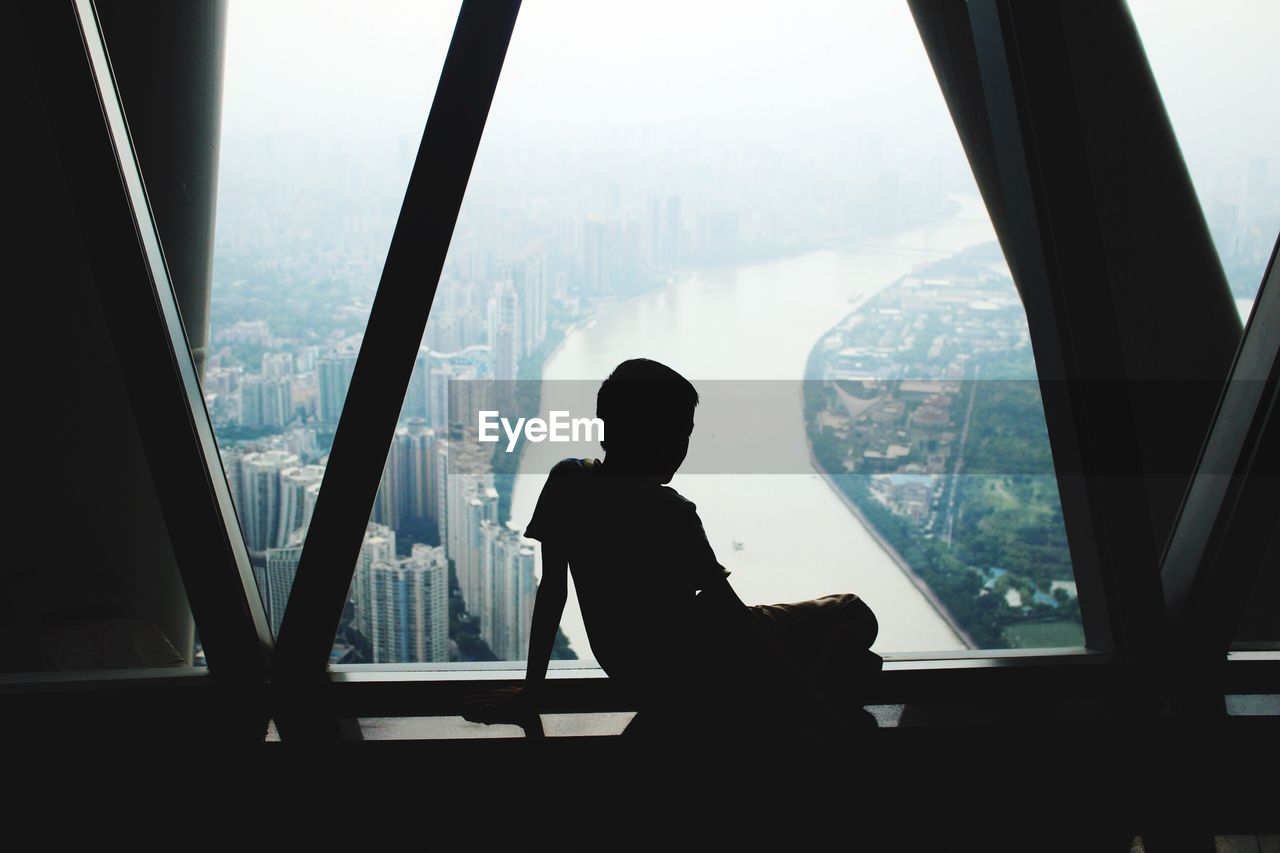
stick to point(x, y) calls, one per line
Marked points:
point(1213, 66)
point(323, 108)
point(777, 205)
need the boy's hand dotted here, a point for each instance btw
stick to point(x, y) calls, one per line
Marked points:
point(500, 705)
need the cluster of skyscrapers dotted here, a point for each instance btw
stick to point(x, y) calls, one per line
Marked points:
point(494, 563)
point(400, 596)
point(489, 322)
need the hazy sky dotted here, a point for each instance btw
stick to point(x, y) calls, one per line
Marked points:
point(309, 65)
point(806, 75)
point(1216, 65)
point(770, 70)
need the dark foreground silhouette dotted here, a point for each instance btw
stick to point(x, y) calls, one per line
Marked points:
point(663, 621)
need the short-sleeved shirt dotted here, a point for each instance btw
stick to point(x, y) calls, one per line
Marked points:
point(638, 554)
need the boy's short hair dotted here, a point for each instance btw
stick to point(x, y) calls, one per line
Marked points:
point(645, 396)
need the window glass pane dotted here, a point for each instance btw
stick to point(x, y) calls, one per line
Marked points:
point(1214, 65)
point(323, 109)
point(753, 199)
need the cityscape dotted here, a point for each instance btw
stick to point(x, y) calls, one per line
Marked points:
point(924, 410)
point(443, 575)
point(921, 407)
point(437, 513)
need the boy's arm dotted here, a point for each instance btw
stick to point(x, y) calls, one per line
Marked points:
point(548, 606)
point(519, 705)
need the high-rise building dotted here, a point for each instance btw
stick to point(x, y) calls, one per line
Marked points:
point(304, 359)
point(481, 505)
point(302, 441)
point(259, 506)
point(406, 602)
point(277, 365)
point(438, 378)
point(281, 569)
point(305, 391)
point(504, 588)
point(440, 495)
point(415, 398)
point(386, 501)
point(471, 391)
point(334, 377)
point(458, 387)
point(413, 447)
point(265, 402)
point(504, 330)
point(531, 287)
point(469, 499)
point(480, 598)
point(297, 497)
point(233, 468)
point(405, 493)
point(379, 545)
point(249, 397)
point(512, 589)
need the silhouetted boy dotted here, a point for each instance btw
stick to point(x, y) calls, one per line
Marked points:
point(663, 621)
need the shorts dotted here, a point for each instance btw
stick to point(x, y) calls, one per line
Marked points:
point(806, 629)
point(732, 680)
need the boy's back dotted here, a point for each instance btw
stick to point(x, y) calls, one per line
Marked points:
point(638, 554)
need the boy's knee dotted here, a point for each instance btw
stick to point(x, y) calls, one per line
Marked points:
point(859, 622)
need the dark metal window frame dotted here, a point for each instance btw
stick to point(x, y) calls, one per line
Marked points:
point(1075, 139)
point(129, 270)
point(1123, 620)
point(1227, 531)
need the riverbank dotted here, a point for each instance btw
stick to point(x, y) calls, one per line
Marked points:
point(801, 543)
point(961, 634)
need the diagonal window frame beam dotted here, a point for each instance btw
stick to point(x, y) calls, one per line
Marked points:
point(397, 320)
point(1017, 175)
point(1226, 533)
point(1057, 140)
point(123, 247)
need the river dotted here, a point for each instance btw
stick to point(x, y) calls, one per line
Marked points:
point(799, 540)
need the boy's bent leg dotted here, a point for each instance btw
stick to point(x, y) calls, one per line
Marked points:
point(746, 679)
point(806, 628)
point(830, 639)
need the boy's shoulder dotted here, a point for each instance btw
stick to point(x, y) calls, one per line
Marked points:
point(678, 500)
point(573, 467)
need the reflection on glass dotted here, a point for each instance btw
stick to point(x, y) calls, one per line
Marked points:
point(1214, 67)
point(773, 196)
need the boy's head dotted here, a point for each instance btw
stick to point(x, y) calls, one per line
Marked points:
point(647, 409)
